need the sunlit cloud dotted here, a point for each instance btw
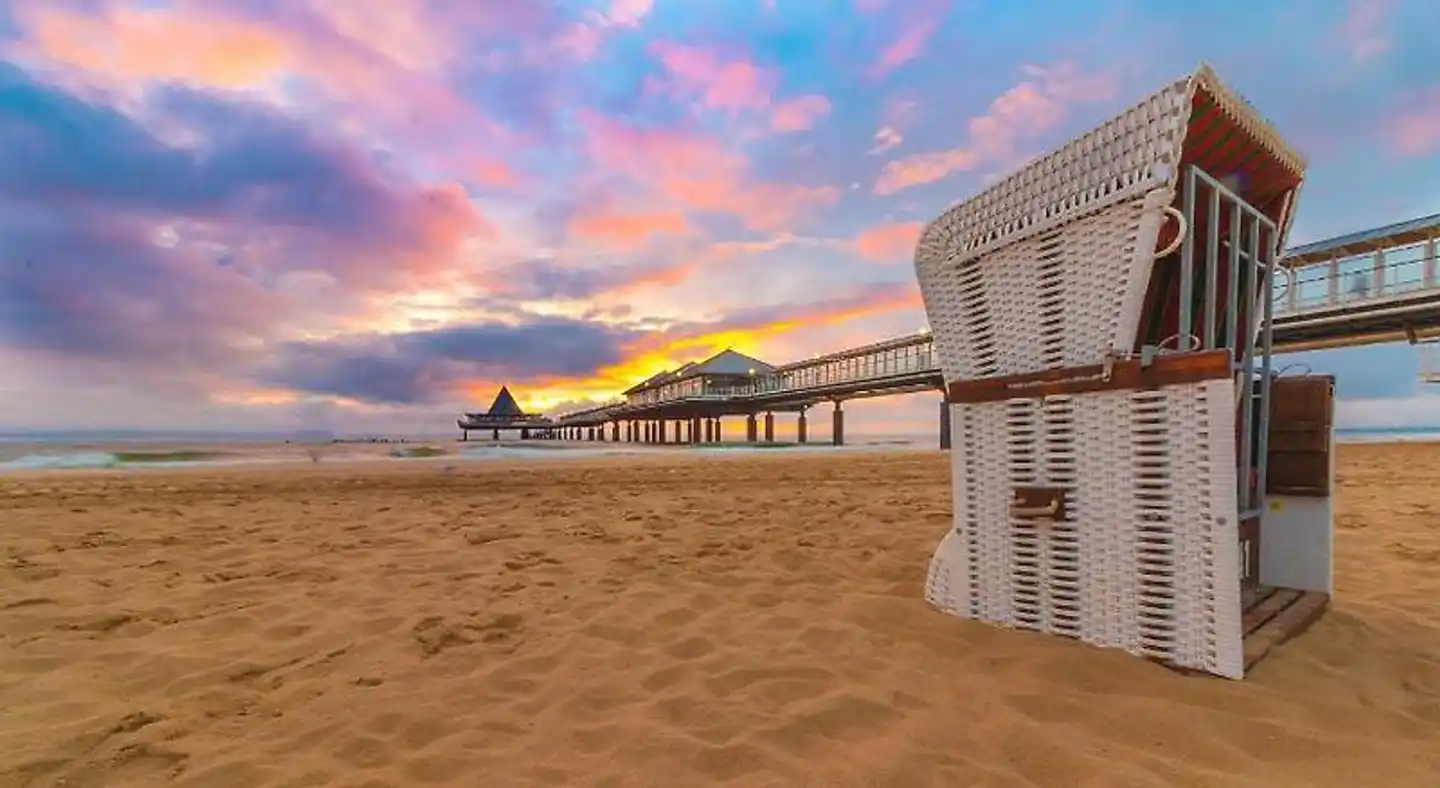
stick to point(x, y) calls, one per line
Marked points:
point(1030, 109)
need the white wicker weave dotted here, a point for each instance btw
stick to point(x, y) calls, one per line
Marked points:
point(1049, 269)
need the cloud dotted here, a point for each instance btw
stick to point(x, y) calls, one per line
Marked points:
point(1363, 29)
point(382, 59)
point(918, 21)
point(230, 166)
point(886, 137)
point(731, 83)
point(126, 257)
point(625, 230)
point(560, 354)
point(96, 298)
point(1029, 110)
point(697, 173)
point(1415, 130)
point(582, 40)
point(800, 113)
point(898, 114)
point(716, 82)
point(545, 280)
point(889, 243)
point(431, 366)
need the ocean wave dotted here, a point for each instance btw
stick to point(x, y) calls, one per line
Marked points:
point(80, 460)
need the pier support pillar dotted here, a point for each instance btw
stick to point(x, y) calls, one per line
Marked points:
point(752, 431)
point(709, 430)
point(649, 432)
point(495, 435)
point(837, 426)
point(944, 424)
point(801, 431)
point(629, 432)
point(524, 434)
point(769, 427)
point(464, 435)
point(615, 432)
point(718, 437)
point(695, 430)
point(678, 422)
point(660, 432)
point(590, 434)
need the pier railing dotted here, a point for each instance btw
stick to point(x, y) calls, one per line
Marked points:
point(1395, 277)
point(1389, 277)
point(901, 361)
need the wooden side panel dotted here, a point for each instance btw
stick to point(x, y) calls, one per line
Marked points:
point(1301, 415)
point(1121, 375)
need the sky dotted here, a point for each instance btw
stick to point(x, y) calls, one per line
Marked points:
point(366, 215)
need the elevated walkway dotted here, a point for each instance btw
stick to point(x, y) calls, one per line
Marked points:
point(1363, 288)
point(1380, 285)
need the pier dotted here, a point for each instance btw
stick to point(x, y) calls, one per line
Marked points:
point(1362, 288)
point(505, 415)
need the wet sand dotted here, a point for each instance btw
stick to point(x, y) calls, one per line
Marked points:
point(675, 622)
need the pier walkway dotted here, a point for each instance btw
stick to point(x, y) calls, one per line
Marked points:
point(1370, 287)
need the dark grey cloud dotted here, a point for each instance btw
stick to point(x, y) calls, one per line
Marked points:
point(253, 167)
point(86, 192)
point(425, 366)
point(85, 288)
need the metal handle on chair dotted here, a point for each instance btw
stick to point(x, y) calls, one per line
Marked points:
point(1182, 228)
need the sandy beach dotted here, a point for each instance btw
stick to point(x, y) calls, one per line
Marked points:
point(669, 622)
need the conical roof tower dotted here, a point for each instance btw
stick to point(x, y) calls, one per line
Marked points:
point(504, 404)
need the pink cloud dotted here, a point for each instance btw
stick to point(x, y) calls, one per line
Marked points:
point(718, 82)
point(1031, 109)
point(582, 40)
point(1415, 131)
point(888, 243)
point(919, 20)
point(625, 230)
point(732, 83)
point(886, 137)
point(158, 44)
point(629, 13)
point(1363, 28)
point(800, 113)
point(377, 62)
point(898, 114)
point(869, 6)
point(697, 173)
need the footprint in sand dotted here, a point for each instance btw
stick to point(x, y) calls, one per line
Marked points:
point(529, 559)
point(691, 648)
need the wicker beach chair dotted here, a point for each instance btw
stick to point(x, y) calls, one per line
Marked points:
point(1101, 319)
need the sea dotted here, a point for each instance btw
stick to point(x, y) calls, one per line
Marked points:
point(116, 450)
point(23, 451)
